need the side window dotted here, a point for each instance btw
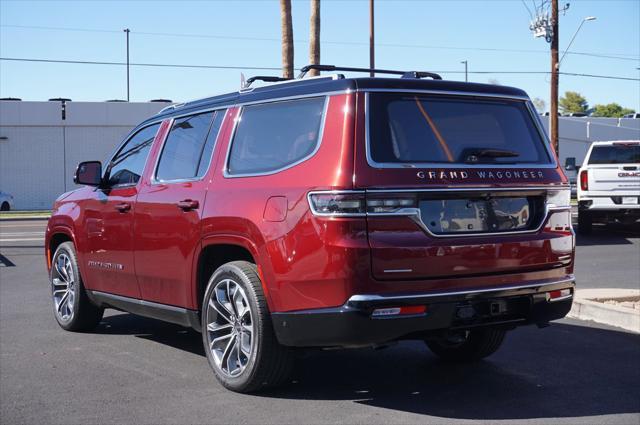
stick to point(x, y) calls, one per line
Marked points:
point(128, 164)
point(272, 136)
point(182, 151)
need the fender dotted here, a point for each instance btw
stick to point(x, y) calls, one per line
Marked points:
point(230, 239)
point(55, 229)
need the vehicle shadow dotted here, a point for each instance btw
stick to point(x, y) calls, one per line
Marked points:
point(566, 370)
point(175, 336)
point(610, 234)
point(562, 371)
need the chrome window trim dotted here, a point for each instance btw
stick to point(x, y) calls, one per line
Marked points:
point(408, 165)
point(540, 284)
point(238, 118)
point(155, 181)
point(415, 214)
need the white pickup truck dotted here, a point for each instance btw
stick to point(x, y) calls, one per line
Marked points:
point(609, 184)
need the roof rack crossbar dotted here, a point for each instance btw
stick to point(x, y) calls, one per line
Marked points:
point(404, 74)
point(265, 78)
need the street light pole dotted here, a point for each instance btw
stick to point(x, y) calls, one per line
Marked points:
point(372, 53)
point(466, 73)
point(588, 18)
point(553, 109)
point(127, 31)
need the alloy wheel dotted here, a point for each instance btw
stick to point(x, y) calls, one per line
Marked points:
point(230, 332)
point(64, 287)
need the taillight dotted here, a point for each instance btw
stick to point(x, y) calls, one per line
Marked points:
point(355, 204)
point(584, 180)
point(339, 204)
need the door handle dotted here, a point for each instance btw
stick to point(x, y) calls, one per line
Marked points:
point(123, 207)
point(188, 204)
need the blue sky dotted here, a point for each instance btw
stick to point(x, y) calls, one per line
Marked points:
point(411, 35)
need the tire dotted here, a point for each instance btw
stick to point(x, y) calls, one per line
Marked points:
point(473, 345)
point(72, 308)
point(585, 223)
point(5, 206)
point(238, 337)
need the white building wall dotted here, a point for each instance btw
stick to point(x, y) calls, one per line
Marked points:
point(39, 151)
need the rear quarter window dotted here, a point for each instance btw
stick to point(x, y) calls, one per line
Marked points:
point(273, 136)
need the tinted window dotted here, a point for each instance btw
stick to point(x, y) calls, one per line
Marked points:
point(127, 166)
point(615, 154)
point(183, 148)
point(275, 135)
point(439, 129)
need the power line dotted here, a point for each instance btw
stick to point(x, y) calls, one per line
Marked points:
point(617, 56)
point(239, 67)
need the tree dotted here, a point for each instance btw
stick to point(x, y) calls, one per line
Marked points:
point(287, 38)
point(540, 104)
point(612, 110)
point(573, 102)
point(314, 36)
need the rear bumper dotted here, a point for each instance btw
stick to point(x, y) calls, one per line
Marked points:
point(353, 325)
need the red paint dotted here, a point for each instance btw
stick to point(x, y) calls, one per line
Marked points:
point(305, 261)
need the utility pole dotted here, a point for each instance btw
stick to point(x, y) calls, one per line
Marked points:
point(466, 71)
point(127, 31)
point(372, 53)
point(555, 77)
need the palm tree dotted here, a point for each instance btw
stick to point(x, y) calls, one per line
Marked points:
point(287, 38)
point(314, 39)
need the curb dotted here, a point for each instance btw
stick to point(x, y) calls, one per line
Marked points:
point(584, 308)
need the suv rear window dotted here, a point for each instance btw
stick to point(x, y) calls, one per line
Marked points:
point(274, 136)
point(615, 154)
point(407, 128)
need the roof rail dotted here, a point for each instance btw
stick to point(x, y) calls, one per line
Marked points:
point(265, 78)
point(404, 74)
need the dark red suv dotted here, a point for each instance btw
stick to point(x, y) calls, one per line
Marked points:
point(323, 212)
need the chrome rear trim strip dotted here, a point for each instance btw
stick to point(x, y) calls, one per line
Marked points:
point(377, 297)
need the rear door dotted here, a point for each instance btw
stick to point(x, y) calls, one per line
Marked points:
point(459, 186)
point(169, 206)
point(614, 169)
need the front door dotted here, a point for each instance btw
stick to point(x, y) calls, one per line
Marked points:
point(169, 209)
point(108, 220)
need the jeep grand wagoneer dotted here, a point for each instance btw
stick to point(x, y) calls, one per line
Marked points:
point(323, 212)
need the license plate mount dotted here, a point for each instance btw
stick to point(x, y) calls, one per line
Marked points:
point(629, 200)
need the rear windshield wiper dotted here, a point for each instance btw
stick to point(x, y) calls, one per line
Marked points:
point(475, 155)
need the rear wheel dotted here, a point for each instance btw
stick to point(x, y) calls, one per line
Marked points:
point(5, 206)
point(585, 222)
point(237, 331)
point(467, 346)
point(72, 308)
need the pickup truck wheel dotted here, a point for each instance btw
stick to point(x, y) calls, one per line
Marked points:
point(585, 222)
point(237, 331)
point(468, 346)
point(72, 308)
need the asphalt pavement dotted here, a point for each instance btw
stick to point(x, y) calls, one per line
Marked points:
point(137, 370)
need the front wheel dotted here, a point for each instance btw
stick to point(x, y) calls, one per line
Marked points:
point(467, 346)
point(72, 308)
point(237, 331)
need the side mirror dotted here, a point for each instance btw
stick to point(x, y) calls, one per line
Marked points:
point(88, 173)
